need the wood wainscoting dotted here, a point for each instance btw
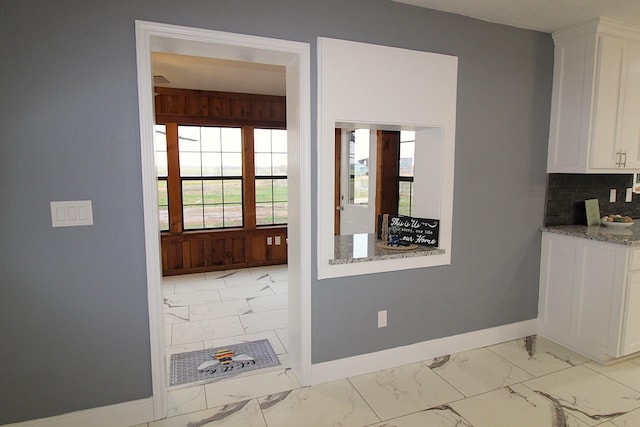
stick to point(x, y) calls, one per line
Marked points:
point(201, 251)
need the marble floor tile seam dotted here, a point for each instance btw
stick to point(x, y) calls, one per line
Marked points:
point(533, 375)
point(570, 364)
point(612, 378)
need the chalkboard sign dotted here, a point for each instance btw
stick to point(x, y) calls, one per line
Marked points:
point(419, 231)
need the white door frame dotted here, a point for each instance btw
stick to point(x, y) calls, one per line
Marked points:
point(295, 56)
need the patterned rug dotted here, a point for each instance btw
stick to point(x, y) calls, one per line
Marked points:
point(221, 362)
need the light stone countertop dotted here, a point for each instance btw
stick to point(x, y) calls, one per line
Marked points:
point(627, 236)
point(362, 248)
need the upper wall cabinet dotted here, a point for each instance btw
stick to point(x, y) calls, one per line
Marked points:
point(595, 112)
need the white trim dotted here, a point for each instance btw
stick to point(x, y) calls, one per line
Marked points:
point(371, 362)
point(351, 91)
point(151, 227)
point(295, 56)
point(121, 414)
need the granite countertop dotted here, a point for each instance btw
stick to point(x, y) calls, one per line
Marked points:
point(627, 236)
point(362, 248)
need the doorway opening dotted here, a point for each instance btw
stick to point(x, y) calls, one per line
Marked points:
point(295, 57)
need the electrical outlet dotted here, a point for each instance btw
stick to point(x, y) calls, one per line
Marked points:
point(612, 195)
point(382, 319)
point(629, 195)
point(269, 241)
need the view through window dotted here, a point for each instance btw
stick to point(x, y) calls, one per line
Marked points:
point(211, 177)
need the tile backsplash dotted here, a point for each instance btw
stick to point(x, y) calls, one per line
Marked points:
point(566, 194)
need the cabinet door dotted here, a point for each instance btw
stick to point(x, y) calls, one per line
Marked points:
point(600, 273)
point(608, 102)
point(631, 328)
point(557, 267)
point(631, 116)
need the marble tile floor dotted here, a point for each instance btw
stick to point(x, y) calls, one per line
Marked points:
point(527, 382)
point(215, 309)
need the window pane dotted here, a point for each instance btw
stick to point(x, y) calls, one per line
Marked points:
point(279, 164)
point(280, 190)
point(232, 190)
point(160, 137)
point(231, 140)
point(214, 216)
point(163, 218)
point(233, 215)
point(231, 164)
point(264, 214)
point(212, 191)
point(262, 140)
point(191, 192)
point(211, 164)
point(193, 217)
point(160, 145)
point(210, 139)
point(281, 213)
point(263, 164)
point(163, 206)
point(189, 138)
point(358, 167)
point(190, 164)
point(279, 141)
point(407, 158)
point(264, 190)
point(405, 198)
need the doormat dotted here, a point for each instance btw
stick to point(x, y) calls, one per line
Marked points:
point(221, 362)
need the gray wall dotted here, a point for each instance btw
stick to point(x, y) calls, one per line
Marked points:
point(73, 307)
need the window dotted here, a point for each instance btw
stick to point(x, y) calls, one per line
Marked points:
point(211, 176)
point(405, 172)
point(359, 167)
point(160, 144)
point(216, 179)
point(270, 160)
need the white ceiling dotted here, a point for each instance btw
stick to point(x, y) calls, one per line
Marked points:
point(190, 72)
point(194, 72)
point(540, 15)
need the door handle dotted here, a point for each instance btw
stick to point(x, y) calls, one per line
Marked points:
point(339, 208)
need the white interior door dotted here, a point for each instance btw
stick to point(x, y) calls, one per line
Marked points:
point(357, 181)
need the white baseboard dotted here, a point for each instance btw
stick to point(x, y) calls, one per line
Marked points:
point(121, 415)
point(371, 362)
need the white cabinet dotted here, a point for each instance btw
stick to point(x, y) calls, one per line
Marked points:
point(595, 112)
point(590, 296)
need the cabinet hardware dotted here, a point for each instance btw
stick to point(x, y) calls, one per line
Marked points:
point(624, 162)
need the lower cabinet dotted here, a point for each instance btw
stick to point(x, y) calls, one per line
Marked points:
point(590, 296)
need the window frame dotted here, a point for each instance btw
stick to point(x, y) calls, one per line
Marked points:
point(247, 180)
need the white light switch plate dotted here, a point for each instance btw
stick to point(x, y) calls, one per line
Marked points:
point(71, 213)
point(612, 195)
point(629, 195)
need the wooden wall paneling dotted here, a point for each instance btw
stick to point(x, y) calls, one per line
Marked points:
point(218, 252)
point(186, 254)
point(197, 253)
point(241, 109)
point(279, 252)
point(278, 110)
point(219, 107)
point(237, 251)
point(258, 251)
point(197, 105)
